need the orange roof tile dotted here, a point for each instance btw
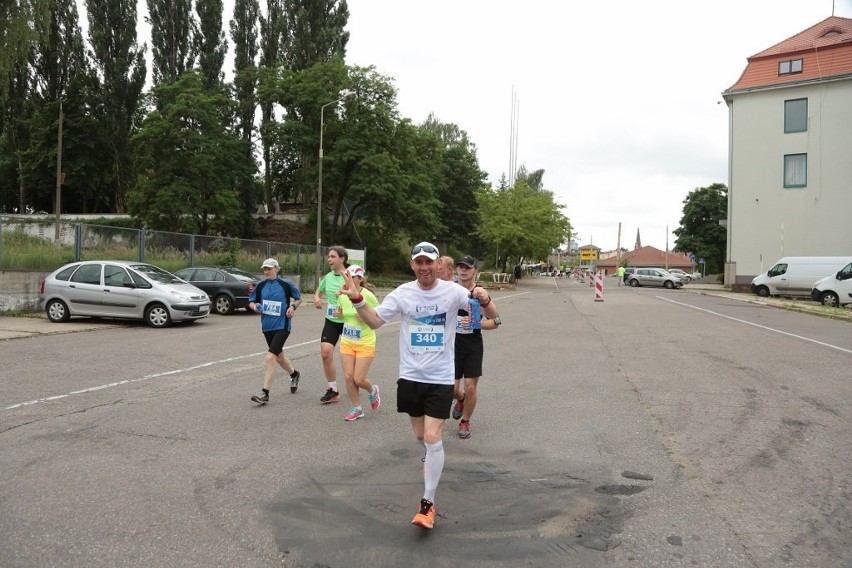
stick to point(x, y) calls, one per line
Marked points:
point(825, 49)
point(649, 256)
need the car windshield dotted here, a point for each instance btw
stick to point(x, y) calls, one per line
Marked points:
point(155, 273)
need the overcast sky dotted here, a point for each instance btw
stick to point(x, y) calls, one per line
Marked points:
point(617, 100)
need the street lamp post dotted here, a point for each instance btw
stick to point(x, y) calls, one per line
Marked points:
point(345, 94)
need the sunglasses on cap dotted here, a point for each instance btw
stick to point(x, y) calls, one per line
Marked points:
point(428, 249)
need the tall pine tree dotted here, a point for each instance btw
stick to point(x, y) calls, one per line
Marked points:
point(121, 63)
point(272, 37)
point(172, 35)
point(210, 41)
point(244, 34)
point(315, 32)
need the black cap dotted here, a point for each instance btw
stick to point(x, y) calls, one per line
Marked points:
point(468, 261)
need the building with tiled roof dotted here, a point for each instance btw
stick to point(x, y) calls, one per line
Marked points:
point(790, 163)
point(647, 257)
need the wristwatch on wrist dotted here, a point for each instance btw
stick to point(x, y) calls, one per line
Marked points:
point(497, 320)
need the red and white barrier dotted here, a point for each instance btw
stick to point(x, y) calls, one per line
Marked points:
point(599, 287)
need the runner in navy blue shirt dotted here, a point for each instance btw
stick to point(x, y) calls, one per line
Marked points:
point(276, 299)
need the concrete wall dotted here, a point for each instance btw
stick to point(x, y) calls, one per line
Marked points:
point(19, 290)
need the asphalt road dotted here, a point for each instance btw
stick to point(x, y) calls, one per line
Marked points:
point(655, 428)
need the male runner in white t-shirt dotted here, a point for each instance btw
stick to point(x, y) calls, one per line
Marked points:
point(428, 309)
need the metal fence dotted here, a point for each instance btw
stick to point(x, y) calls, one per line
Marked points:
point(31, 244)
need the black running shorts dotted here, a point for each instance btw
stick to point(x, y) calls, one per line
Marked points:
point(469, 352)
point(419, 399)
point(331, 332)
point(276, 340)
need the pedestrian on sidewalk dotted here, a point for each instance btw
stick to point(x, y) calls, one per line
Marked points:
point(338, 261)
point(358, 346)
point(276, 299)
point(427, 308)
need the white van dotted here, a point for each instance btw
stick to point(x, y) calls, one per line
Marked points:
point(834, 290)
point(796, 275)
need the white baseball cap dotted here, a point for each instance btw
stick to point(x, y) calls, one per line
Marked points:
point(426, 249)
point(355, 270)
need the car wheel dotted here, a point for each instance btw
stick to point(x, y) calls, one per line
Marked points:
point(829, 299)
point(762, 291)
point(157, 315)
point(668, 284)
point(57, 311)
point(223, 304)
point(634, 282)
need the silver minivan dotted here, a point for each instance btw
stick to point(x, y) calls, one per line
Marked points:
point(121, 289)
point(654, 277)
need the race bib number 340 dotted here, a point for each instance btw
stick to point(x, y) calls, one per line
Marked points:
point(426, 334)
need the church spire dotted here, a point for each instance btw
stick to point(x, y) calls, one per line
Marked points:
point(638, 244)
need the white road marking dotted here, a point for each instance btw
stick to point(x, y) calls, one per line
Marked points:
point(772, 329)
point(176, 371)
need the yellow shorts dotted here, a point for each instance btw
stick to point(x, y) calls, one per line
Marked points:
point(357, 350)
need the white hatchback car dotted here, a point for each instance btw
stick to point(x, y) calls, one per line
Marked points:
point(121, 289)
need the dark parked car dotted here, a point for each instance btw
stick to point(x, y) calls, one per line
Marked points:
point(228, 287)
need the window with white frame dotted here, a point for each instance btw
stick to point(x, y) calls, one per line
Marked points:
point(789, 66)
point(795, 170)
point(796, 115)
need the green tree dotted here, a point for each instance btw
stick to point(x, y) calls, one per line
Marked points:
point(189, 164)
point(244, 33)
point(521, 222)
point(699, 231)
point(121, 65)
point(314, 32)
point(210, 42)
point(272, 37)
point(377, 169)
point(21, 23)
point(61, 74)
point(173, 31)
point(534, 179)
point(460, 179)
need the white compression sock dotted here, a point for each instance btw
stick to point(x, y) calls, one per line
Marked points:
point(434, 468)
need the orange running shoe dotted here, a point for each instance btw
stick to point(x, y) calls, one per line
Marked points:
point(426, 517)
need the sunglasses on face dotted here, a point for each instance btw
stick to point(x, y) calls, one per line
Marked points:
point(428, 249)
